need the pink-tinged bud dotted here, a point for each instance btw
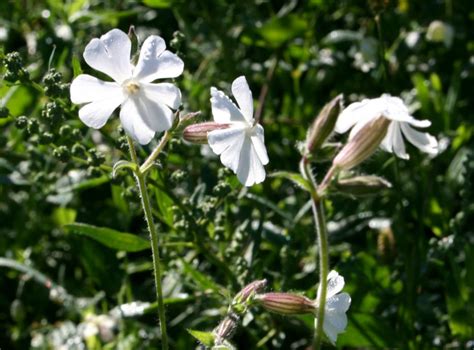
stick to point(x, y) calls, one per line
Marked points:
point(286, 303)
point(197, 133)
point(323, 125)
point(225, 328)
point(360, 186)
point(363, 144)
point(250, 290)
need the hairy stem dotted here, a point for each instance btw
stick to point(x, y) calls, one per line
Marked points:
point(156, 152)
point(323, 250)
point(141, 182)
point(320, 222)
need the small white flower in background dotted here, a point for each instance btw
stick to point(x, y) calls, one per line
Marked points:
point(241, 146)
point(358, 114)
point(337, 304)
point(439, 31)
point(146, 108)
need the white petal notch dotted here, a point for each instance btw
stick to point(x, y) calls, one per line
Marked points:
point(241, 146)
point(337, 304)
point(402, 124)
point(146, 107)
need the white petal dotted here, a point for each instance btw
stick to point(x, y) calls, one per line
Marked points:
point(387, 142)
point(335, 284)
point(337, 320)
point(86, 88)
point(338, 303)
point(96, 114)
point(165, 93)
point(223, 109)
point(424, 141)
point(243, 96)
point(419, 123)
point(110, 55)
point(157, 116)
point(134, 124)
point(228, 143)
point(250, 170)
point(398, 143)
point(356, 112)
point(155, 62)
point(330, 331)
point(258, 141)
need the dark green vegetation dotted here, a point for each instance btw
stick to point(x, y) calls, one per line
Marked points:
point(411, 282)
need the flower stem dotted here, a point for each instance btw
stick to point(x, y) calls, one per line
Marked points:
point(141, 182)
point(149, 162)
point(327, 178)
point(323, 250)
point(320, 222)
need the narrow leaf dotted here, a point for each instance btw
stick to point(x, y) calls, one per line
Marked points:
point(110, 238)
point(293, 177)
point(205, 338)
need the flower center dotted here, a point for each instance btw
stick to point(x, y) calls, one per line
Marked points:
point(131, 87)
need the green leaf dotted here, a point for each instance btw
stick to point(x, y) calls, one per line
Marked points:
point(63, 216)
point(76, 66)
point(278, 31)
point(203, 281)
point(206, 338)
point(160, 4)
point(123, 164)
point(293, 177)
point(110, 238)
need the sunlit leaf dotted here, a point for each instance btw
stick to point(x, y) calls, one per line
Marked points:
point(110, 238)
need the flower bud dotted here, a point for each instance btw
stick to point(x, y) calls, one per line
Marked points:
point(362, 185)
point(286, 303)
point(323, 125)
point(363, 144)
point(225, 329)
point(197, 133)
point(250, 290)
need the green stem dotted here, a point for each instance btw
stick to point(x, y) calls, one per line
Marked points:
point(320, 222)
point(323, 251)
point(141, 182)
point(156, 152)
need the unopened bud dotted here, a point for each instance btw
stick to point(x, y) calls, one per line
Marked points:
point(226, 328)
point(286, 303)
point(323, 125)
point(250, 290)
point(363, 144)
point(197, 133)
point(362, 185)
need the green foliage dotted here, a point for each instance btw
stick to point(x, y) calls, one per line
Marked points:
point(126, 242)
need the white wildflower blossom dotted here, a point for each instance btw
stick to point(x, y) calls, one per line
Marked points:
point(358, 114)
point(146, 107)
point(337, 304)
point(241, 145)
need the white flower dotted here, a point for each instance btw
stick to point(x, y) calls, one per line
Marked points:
point(357, 114)
point(335, 319)
point(241, 146)
point(146, 108)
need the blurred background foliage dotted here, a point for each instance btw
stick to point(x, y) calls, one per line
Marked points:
point(407, 255)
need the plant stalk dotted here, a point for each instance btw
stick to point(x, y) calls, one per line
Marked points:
point(320, 223)
point(156, 152)
point(323, 250)
point(145, 199)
